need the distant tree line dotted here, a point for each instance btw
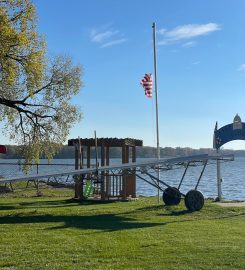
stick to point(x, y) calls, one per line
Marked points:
point(115, 152)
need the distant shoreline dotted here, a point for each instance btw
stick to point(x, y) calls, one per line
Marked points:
point(142, 152)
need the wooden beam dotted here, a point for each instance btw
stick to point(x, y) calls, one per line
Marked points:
point(112, 142)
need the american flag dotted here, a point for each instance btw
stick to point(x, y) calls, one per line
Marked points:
point(146, 82)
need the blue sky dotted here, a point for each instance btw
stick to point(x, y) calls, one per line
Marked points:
point(200, 58)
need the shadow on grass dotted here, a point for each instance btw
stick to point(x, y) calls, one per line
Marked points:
point(40, 204)
point(8, 207)
point(176, 213)
point(105, 222)
point(169, 209)
point(49, 203)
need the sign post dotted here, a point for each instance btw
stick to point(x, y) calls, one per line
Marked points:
point(223, 135)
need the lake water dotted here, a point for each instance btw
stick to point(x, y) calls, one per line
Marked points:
point(233, 175)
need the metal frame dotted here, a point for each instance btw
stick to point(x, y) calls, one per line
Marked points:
point(194, 199)
point(145, 167)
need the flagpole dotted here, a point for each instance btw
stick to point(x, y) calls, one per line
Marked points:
point(156, 99)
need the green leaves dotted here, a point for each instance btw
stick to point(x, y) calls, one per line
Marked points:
point(35, 93)
point(22, 50)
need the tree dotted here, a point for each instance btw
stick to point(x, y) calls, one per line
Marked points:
point(35, 92)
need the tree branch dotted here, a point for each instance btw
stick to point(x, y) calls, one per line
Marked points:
point(37, 91)
point(12, 104)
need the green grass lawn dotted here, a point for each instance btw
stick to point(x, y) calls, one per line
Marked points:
point(58, 233)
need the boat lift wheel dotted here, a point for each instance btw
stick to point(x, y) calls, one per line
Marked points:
point(194, 200)
point(171, 196)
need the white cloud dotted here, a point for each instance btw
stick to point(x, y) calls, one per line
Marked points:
point(102, 36)
point(107, 37)
point(189, 44)
point(162, 31)
point(114, 42)
point(187, 31)
point(241, 67)
point(191, 30)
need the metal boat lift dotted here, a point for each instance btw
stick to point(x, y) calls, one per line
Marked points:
point(147, 171)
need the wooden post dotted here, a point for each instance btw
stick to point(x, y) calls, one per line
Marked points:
point(76, 168)
point(124, 160)
point(102, 186)
point(107, 155)
point(129, 178)
point(88, 156)
point(133, 153)
point(82, 158)
point(108, 181)
point(134, 176)
point(127, 154)
point(76, 157)
point(80, 182)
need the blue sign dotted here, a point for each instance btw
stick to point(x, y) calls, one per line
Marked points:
point(231, 132)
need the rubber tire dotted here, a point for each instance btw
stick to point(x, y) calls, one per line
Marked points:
point(194, 200)
point(171, 196)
